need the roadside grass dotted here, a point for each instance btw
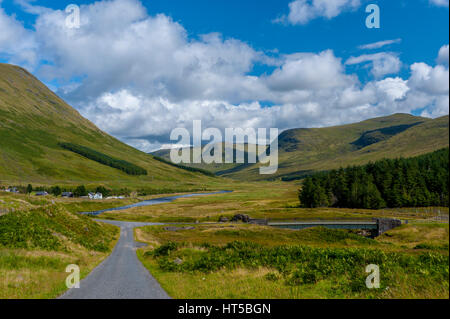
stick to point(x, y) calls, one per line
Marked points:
point(264, 235)
point(37, 245)
point(246, 261)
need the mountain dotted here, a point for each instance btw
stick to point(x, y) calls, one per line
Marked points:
point(217, 168)
point(35, 124)
point(306, 150)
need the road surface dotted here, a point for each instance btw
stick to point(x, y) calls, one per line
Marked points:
point(121, 275)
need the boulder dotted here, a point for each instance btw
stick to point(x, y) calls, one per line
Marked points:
point(178, 261)
point(241, 217)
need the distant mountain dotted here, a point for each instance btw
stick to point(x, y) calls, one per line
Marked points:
point(306, 150)
point(34, 125)
point(217, 168)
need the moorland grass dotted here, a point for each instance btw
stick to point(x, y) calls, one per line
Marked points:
point(37, 245)
point(242, 261)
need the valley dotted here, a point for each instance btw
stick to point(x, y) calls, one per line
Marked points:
point(195, 246)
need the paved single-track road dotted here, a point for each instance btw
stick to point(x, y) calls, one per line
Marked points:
point(121, 275)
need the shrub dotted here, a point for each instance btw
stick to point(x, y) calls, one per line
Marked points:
point(165, 249)
point(80, 191)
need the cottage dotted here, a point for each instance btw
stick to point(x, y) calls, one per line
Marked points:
point(67, 194)
point(12, 190)
point(41, 193)
point(95, 196)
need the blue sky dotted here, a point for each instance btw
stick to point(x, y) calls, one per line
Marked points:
point(422, 26)
point(272, 50)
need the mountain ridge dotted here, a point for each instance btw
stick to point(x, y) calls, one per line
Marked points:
point(306, 150)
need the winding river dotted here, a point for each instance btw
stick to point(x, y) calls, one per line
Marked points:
point(155, 201)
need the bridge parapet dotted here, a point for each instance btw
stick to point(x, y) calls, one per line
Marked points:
point(385, 224)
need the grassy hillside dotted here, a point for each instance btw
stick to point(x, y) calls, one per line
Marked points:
point(37, 245)
point(33, 121)
point(302, 151)
point(217, 168)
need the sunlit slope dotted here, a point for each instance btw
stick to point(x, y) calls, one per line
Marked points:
point(302, 151)
point(33, 120)
point(227, 164)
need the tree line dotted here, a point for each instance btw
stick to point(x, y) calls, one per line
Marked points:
point(405, 182)
point(77, 191)
point(104, 159)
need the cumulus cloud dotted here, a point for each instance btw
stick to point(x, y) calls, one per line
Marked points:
point(16, 43)
point(138, 76)
point(443, 55)
point(309, 72)
point(382, 63)
point(118, 45)
point(431, 80)
point(379, 44)
point(303, 11)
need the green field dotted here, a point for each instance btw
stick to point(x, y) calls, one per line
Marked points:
point(39, 247)
point(241, 261)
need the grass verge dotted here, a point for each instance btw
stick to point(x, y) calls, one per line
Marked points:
point(36, 247)
point(245, 261)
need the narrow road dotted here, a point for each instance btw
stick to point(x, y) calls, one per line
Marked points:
point(121, 275)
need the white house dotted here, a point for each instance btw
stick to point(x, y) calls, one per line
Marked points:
point(95, 196)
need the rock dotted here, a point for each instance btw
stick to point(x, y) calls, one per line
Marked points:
point(223, 219)
point(178, 261)
point(241, 217)
point(174, 228)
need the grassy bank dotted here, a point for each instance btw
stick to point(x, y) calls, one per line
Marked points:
point(37, 245)
point(243, 261)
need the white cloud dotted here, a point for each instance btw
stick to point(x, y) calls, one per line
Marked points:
point(379, 44)
point(138, 76)
point(394, 88)
point(382, 63)
point(303, 11)
point(309, 72)
point(443, 55)
point(431, 80)
point(440, 3)
point(153, 54)
point(16, 43)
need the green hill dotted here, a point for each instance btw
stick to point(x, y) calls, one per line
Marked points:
point(302, 151)
point(216, 168)
point(306, 150)
point(34, 125)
